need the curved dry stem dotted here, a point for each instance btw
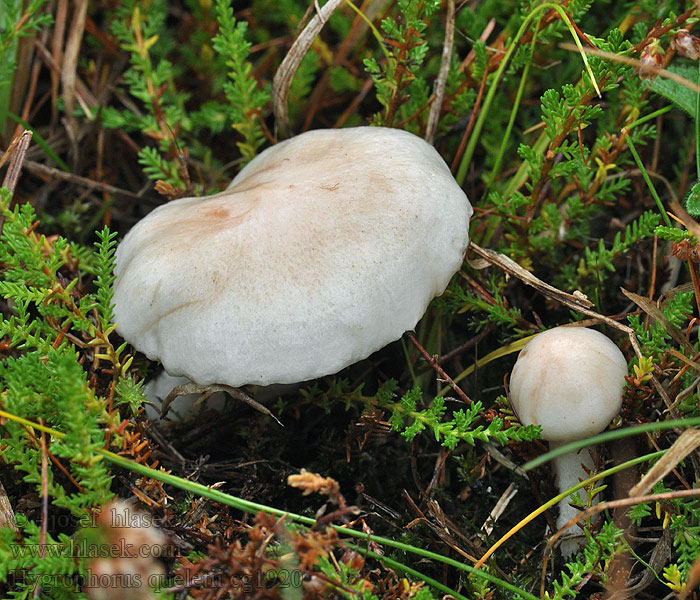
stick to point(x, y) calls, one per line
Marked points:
point(441, 81)
point(285, 73)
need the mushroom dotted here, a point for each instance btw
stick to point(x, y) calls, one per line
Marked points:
point(569, 381)
point(325, 248)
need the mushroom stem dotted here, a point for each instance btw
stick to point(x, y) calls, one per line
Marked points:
point(569, 470)
point(568, 380)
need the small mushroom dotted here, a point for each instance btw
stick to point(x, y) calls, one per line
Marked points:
point(568, 380)
point(325, 248)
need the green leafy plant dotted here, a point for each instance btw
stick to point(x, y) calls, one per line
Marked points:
point(400, 85)
point(597, 554)
point(151, 79)
point(450, 432)
point(245, 99)
point(47, 377)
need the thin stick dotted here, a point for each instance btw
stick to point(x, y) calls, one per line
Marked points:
point(15, 168)
point(285, 73)
point(70, 57)
point(441, 80)
point(52, 173)
point(638, 64)
point(438, 369)
point(17, 149)
point(468, 344)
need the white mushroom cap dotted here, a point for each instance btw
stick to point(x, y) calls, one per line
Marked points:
point(325, 248)
point(569, 380)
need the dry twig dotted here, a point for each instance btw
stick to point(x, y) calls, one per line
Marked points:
point(285, 73)
point(441, 81)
